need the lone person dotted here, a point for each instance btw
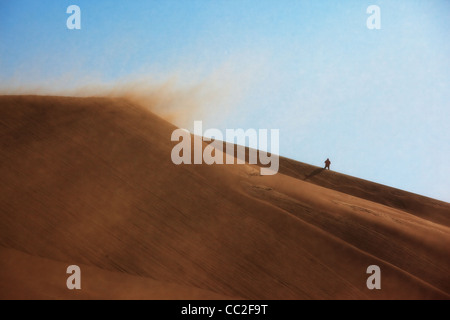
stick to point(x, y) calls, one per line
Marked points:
point(327, 164)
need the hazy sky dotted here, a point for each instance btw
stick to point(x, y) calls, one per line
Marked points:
point(376, 102)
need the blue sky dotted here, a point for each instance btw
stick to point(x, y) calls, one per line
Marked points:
point(376, 102)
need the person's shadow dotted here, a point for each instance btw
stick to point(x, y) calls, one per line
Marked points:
point(314, 173)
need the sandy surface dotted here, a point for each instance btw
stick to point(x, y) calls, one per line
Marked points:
point(90, 181)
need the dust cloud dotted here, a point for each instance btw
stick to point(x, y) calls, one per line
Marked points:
point(180, 97)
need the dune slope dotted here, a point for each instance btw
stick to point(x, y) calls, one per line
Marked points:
point(90, 181)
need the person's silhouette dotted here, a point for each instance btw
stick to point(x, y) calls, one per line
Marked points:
point(327, 164)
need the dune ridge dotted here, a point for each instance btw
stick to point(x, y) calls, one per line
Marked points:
point(90, 181)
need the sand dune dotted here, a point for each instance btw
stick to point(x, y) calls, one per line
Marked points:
point(89, 181)
point(20, 268)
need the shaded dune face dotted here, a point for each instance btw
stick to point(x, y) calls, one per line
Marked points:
point(90, 181)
